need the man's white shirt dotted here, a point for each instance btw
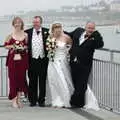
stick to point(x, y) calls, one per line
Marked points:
point(82, 38)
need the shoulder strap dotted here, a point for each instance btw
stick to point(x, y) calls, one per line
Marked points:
point(26, 37)
point(8, 37)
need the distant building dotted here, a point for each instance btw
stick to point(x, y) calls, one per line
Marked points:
point(68, 8)
point(98, 6)
point(79, 8)
point(115, 5)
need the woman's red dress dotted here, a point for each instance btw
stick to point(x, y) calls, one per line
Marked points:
point(17, 70)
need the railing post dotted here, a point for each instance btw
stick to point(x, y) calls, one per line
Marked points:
point(111, 56)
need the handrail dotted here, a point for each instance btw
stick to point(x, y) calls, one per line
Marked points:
point(1, 45)
point(109, 50)
point(103, 49)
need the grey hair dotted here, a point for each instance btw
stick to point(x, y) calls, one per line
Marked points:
point(90, 22)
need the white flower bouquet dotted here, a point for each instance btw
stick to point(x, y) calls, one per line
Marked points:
point(51, 47)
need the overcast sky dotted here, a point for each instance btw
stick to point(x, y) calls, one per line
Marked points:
point(12, 6)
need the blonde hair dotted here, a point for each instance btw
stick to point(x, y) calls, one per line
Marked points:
point(55, 25)
point(18, 18)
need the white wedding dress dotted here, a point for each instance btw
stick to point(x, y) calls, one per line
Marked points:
point(59, 86)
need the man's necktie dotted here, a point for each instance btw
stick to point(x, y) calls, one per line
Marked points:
point(38, 32)
point(86, 36)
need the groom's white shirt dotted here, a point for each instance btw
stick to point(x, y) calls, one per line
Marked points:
point(81, 40)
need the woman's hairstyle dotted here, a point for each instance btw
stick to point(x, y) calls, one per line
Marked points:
point(18, 18)
point(54, 26)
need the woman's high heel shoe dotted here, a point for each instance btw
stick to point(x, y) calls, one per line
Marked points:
point(20, 105)
point(14, 103)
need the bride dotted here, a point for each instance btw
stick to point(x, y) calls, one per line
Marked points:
point(59, 77)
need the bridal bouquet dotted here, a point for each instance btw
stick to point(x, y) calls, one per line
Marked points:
point(50, 47)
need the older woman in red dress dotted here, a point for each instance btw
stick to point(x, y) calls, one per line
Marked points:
point(17, 61)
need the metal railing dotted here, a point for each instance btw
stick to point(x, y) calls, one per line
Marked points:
point(3, 76)
point(104, 81)
point(106, 85)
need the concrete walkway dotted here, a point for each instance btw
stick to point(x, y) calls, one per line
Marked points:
point(48, 113)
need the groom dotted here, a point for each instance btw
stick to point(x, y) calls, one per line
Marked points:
point(38, 62)
point(85, 41)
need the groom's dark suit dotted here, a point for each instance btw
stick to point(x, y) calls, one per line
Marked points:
point(81, 57)
point(37, 70)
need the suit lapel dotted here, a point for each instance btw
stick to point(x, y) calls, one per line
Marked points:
point(81, 32)
point(78, 35)
point(43, 34)
point(30, 32)
point(30, 36)
point(43, 37)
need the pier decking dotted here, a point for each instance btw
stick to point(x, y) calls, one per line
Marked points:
point(49, 113)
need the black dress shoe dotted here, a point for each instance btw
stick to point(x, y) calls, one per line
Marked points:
point(32, 104)
point(41, 104)
point(76, 106)
point(73, 107)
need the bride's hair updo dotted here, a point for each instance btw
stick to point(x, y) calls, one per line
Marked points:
point(55, 25)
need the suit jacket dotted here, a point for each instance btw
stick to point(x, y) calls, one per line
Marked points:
point(84, 52)
point(45, 34)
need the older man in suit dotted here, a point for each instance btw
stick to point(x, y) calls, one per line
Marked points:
point(85, 41)
point(38, 62)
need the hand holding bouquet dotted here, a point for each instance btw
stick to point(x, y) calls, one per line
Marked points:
point(18, 47)
point(50, 47)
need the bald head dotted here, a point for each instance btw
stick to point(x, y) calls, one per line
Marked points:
point(90, 27)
